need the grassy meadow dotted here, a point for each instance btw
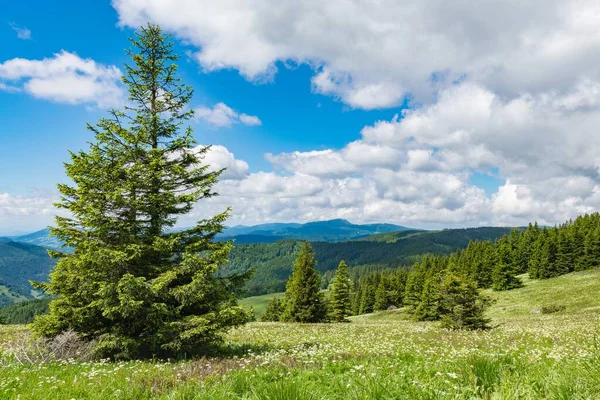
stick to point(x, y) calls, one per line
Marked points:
point(259, 303)
point(545, 344)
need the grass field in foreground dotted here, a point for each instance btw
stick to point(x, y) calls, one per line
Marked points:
point(379, 356)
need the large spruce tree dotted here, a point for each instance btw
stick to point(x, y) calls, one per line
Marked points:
point(340, 298)
point(303, 300)
point(132, 283)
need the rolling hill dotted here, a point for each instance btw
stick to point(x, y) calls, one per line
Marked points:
point(19, 263)
point(271, 260)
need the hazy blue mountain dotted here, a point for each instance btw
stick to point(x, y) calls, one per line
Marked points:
point(40, 238)
point(336, 230)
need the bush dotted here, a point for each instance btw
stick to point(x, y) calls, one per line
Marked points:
point(551, 309)
point(65, 346)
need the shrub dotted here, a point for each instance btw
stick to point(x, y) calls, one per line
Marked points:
point(551, 309)
point(65, 346)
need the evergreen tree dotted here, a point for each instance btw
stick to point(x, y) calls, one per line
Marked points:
point(273, 311)
point(592, 249)
point(339, 299)
point(381, 296)
point(132, 283)
point(414, 288)
point(357, 299)
point(462, 306)
point(564, 253)
point(504, 273)
point(367, 300)
point(537, 253)
point(304, 301)
point(429, 305)
point(548, 265)
point(398, 285)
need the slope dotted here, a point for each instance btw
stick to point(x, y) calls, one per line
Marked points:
point(273, 262)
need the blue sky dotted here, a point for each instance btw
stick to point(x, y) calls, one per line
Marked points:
point(351, 117)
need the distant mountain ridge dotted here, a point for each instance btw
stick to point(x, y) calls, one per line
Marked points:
point(39, 238)
point(335, 230)
point(269, 250)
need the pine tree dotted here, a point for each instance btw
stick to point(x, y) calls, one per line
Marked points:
point(504, 273)
point(273, 311)
point(132, 283)
point(339, 299)
point(564, 253)
point(304, 301)
point(429, 305)
point(357, 299)
point(367, 300)
point(381, 296)
point(548, 266)
point(461, 304)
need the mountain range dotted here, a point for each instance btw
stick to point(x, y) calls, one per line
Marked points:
point(268, 249)
point(336, 230)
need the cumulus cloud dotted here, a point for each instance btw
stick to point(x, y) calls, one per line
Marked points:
point(219, 157)
point(22, 32)
point(221, 115)
point(415, 169)
point(25, 212)
point(64, 78)
point(375, 54)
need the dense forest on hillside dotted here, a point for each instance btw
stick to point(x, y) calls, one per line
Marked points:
point(541, 252)
point(19, 263)
point(273, 262)
point(24, 312)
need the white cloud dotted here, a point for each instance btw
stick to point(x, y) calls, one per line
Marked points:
point(221, 115)
point(22, 32)
point(376, 53)
point(218, 157)
point(64, 78)
point(416, 170)
point(31, 212)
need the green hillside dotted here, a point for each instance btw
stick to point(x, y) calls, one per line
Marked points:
point(19, 263)
point(273, 262)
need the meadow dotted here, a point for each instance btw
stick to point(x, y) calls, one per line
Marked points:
point(545, 344)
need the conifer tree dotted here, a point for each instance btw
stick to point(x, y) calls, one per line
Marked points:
point(357, 299)
point(564, 253)
point(381, 296)
point(273, 311)
point(592, 248)
point(461, 304)
point(367, 300)
point(339, 299)
point(548, 265)
point(132, 283)
point(304, 301)
point(535, 259)
point(504, 273)
point(429, 305)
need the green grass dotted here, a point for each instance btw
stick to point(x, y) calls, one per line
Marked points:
point(377, 356)
point(259, 303)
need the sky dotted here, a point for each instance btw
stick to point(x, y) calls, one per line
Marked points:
point(427, 113)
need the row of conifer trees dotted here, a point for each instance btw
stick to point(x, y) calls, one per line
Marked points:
point(443, 288)
point(540, 252)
